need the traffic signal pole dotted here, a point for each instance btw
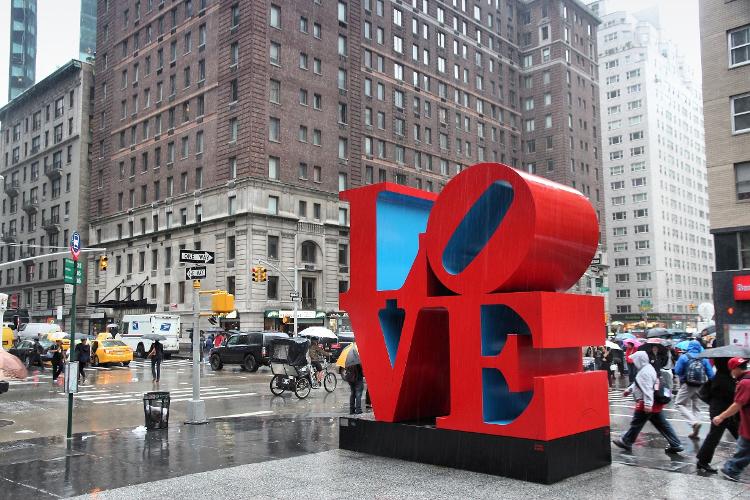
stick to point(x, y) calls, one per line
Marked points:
point(196, 410)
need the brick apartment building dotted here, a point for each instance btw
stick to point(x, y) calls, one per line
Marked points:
point(232, 126)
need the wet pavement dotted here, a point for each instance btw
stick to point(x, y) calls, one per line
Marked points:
point(273, 441)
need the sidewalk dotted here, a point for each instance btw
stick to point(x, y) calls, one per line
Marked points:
point(297, 457)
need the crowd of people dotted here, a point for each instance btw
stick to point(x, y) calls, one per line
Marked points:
point(722, 383)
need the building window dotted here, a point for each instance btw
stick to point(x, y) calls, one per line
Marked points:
point(273, 287)
point(273, 205)
point(309, 252)
point(274, 129)
point(739, 46)
point(741, 113)
point(273, 247)
point(273, 167)
point(742, 179)
point(275, 17)
point(275, 53)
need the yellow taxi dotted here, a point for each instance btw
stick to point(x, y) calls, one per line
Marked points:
point(63, 337)
point(7, 337)
point(108, 351)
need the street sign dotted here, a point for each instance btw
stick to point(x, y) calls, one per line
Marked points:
point(67, 290)
point(60, 312)
point(200, 256)
point(195, 273)
point(75, 245)
point(70, 269)
point(596, 260)
point(603, 289)
point(293, 295)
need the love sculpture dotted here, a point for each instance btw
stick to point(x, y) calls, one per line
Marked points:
point(470, 346)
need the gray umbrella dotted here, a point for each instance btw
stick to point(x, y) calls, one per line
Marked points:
point(727, 351)
point(352, 357)
point(657, 332)
point(155, 336)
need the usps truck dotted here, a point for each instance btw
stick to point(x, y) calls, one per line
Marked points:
point(135, 326)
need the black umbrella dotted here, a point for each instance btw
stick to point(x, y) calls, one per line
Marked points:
point(657, 332)
point(709, 330)
point(727, 351)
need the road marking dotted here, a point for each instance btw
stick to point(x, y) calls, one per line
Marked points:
point(218, 397)
point(251, 414)
point(112, 398)
point(25, 431)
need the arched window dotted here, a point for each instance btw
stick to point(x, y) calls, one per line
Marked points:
point(309, 252)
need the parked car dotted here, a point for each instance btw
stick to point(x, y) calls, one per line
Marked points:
point(251, 350)
point(24, 348)
point(104, 352)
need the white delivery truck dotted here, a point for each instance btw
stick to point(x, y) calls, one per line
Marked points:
point(30, 331)
point(135, 326)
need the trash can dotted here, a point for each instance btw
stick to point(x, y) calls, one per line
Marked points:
point(156, 410)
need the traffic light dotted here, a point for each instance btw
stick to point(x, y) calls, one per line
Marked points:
point(103, 263)
point(691, 307)
point(256, 274)
point(222, 302)
point(263, 274)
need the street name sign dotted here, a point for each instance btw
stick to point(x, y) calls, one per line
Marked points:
point(293, 295)
point(72, 272)
point(197, 256)
point(195, 273)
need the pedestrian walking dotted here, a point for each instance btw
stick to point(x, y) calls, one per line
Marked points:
point(693, 372)
point(156, 353)
point(609, 361)
point(356, 380)
point(83, 355)
point(35, 356)
point(646, 408)
point(719, 394)
point(57, 360)
point(741, 458)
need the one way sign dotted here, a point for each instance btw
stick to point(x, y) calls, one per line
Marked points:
point(196, 256)
point(195, 273)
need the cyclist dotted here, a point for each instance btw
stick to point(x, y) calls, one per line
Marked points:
point(317, 354)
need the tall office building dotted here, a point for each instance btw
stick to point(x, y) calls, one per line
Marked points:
point(87, 42)
point(660, 248)
point(232, 127)
point(22, 62)
point(44, 145)
point(725, 52)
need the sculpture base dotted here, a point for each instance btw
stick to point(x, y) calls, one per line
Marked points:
point(536, 461)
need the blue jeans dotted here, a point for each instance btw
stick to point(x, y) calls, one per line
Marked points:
point(657, 419)
point(355, 398)
point(741, 458)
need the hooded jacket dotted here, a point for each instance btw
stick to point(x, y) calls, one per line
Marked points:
point(694, 348)
point(645, 381)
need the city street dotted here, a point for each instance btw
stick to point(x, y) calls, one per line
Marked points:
point(112, 398)
point(257, 433)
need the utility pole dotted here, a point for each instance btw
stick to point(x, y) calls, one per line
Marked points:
point(3, 308)
point(71, 277)
point(196, 407)
point(296, 285)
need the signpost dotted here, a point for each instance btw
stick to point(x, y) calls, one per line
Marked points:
point(72, 275)
point(196, 256)
point(196, 413)
point(195, 273)
point(294, 295)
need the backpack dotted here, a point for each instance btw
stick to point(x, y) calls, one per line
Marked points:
point(695, 375)
point(662, 390)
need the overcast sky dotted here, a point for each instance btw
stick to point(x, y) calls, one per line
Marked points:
point(58, 32)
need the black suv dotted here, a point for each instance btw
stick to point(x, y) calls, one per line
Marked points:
point(248, 349)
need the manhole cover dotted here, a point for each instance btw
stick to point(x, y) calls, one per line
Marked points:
point(4, 423)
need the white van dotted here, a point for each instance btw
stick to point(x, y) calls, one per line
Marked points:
point(30, 331)
point(135, 326)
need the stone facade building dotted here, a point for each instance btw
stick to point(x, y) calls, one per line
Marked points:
point(232, 127)
point(45, 146)
point(725, 54)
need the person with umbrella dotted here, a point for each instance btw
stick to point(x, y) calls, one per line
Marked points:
point(353, 375)
point(156, 353)
point(83, 355)
point(719, 394)
point(631, 348)
point(57, 360)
